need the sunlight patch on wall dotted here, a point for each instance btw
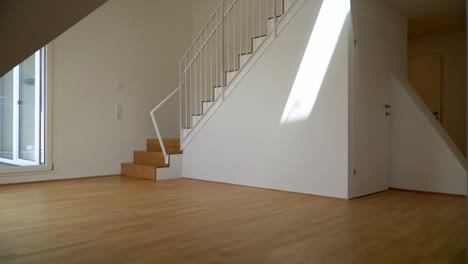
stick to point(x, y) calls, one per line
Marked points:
point(317, 57)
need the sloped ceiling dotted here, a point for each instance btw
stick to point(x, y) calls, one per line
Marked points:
point(27, 25)
point(431, 17)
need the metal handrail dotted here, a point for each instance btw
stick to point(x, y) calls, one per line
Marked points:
point(218, 24)
point(220, 5)
point(155, 123)
point(219, 39)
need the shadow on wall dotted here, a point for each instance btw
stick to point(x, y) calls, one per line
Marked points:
point(316, 60)
point(406, 86)
point(424, 157)
point(246, 143)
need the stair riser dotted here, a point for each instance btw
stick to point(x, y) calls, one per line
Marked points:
point(206, 106)
point(141, 172)
point(243, 59)
point(270, 25)
point(186, 132)
point(230, 76)
point(217, 92)
point(195, 120)
point(148, 158)
point(257, 42)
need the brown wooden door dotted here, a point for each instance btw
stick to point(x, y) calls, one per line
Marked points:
point(425, 74)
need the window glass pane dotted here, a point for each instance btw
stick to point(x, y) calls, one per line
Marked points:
point(6, 116)
point(27, 109)
point(22, 115)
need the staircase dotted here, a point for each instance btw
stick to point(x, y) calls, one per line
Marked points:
point(150, 163)
point(234, 38)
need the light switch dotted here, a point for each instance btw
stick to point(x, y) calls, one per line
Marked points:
point(118, 112)
point(119, 86)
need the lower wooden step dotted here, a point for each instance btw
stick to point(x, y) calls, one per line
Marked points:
point(138, 171)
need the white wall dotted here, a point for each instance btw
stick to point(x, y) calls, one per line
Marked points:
point(394, 30)
point(126, 42)
point(245, 143)
point(452, 47)
point(424, 157)
point(201, 12)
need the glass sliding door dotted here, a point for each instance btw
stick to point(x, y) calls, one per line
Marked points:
point(28, 127)
point(22, 94)
point(6, 116)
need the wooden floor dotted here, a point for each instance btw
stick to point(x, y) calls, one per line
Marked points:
point(122, 220)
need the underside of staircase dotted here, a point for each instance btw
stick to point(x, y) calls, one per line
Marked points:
point(147, 163)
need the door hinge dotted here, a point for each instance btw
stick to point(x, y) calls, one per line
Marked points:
point(53, 166)
point(355, 42)
point(354, 171)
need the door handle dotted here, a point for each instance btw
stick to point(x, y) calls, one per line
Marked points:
point(387, 109)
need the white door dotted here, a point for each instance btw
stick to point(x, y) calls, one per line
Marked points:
point(371, 128)
point(425, 74)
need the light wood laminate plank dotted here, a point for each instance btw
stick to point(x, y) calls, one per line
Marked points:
point(125, 220)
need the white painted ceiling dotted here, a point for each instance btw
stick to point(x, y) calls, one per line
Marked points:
point(427, 8)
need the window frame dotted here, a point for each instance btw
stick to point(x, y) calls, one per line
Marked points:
point(48, 127)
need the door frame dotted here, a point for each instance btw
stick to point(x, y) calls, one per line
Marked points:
point(441, 90)
point(353, 104)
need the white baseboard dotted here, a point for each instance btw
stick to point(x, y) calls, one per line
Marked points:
point(39, 177)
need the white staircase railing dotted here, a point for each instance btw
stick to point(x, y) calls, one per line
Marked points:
point(155, 123)
point(234, 31)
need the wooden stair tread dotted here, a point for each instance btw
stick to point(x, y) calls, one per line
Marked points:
point(141, 165)
point(168, 151)
point(148, 166)
point(154, 166)
point(169, 140)
point(172, 142)
point(172, 146)
point(174, 152)
point(151, 158)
